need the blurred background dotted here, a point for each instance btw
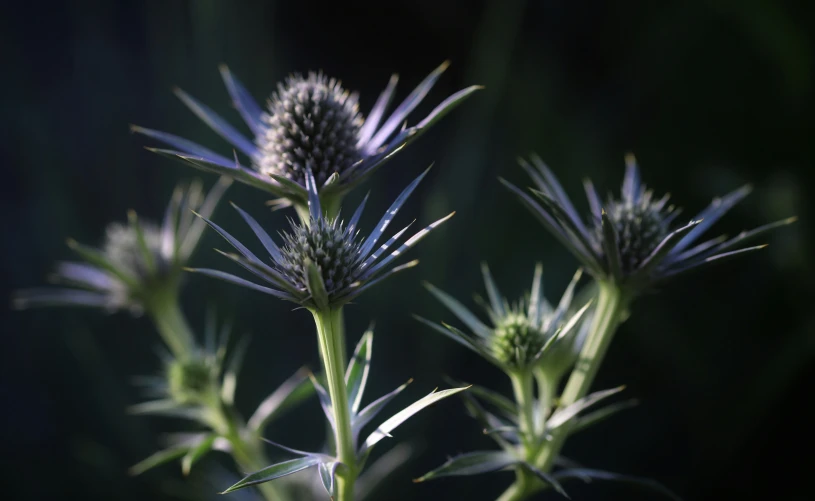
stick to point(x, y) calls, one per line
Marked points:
point(708, 94)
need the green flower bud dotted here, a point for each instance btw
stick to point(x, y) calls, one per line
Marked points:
point(191, 381)
point(516, 342)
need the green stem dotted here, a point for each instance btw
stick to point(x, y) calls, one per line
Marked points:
point(166, 312)
point(611, 307)
point(331, 336)
point(524, 396)
point(547, 388)
point(246, 449)
point(612, 303)
point(172, 325)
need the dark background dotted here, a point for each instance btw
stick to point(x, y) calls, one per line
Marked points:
point(708, 94)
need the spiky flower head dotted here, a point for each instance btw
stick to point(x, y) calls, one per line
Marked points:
point(138, 264)
point(325, 263)
point(632, 240)
point(529, 334)
point(192, 380)
point(198, 388)
point(311, 122)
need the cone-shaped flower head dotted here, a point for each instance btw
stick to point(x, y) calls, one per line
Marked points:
point(192, 380)
point(139, 262)
point(325, 263)
point(311, 123)
point(632, 240)
point(522, 336)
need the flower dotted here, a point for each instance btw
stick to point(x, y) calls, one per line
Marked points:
point(325, 263)
point(311, 123)
point(632, 240)
point(523, 335)
point(138, 262)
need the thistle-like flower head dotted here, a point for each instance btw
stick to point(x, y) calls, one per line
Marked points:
point(325, 263)
point(138, 262)
point(632, 239)
point(311, 123)
point(522, 336)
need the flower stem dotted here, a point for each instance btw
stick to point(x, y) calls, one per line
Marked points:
point(522, 386)
point(246, 449)
point(331, 336)
point(172, 325)
point(612, 303)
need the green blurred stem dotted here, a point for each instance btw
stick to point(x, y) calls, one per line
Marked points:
point(247, 451)
point(547, 387)
point(246, 448)
point(522, 386)
point(331, 337)
point(612, 303)
point(165, 311)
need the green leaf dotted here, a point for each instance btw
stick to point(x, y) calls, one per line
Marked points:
point(230, 379)
point(97, 258)
point(460, 311)
point(316, 285)
point(586, 474)
point(506, 406)
point(275, 471)
point(294, 390)
point(611, 247)
point(147, 255)
point(547, 478)
point(371, 410)
point(601, 414)
point(388, 426)
point(157, 459)
point(328, 472)
point(358, 369)
point(472, 463)
point(562, 416)
point(195, 453)
point(167, 408)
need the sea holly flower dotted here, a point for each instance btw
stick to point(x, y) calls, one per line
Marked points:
point(324, 263)
point(136, 262)
point(523, 335)
point(633, 240)
point(138, 267)
point(311, 123)
point(200, 389)
point(355, 380)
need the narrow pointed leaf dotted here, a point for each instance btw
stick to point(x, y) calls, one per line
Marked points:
point(357, 374)
point(275, 471)
point(406, 107)
point(97, 258)
point(461, 338)
point(388, 426)
point(226, 277)
point(472, 463)
point(371, 410)
point(293, 390)
point(316, 285)
point(460, 311)
point(195, 453)
point(328, 473)
point(157, 459)
point(548, 478)
point(492, 292)
point(265, 239)
point(562, 416)
point(583, 473)
point(369, 243)
point(611, 247)
point(375, 116)
point(248, 108)
point(218, 124)
point(600, 415)
point(230, 378)
point(717, 208)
